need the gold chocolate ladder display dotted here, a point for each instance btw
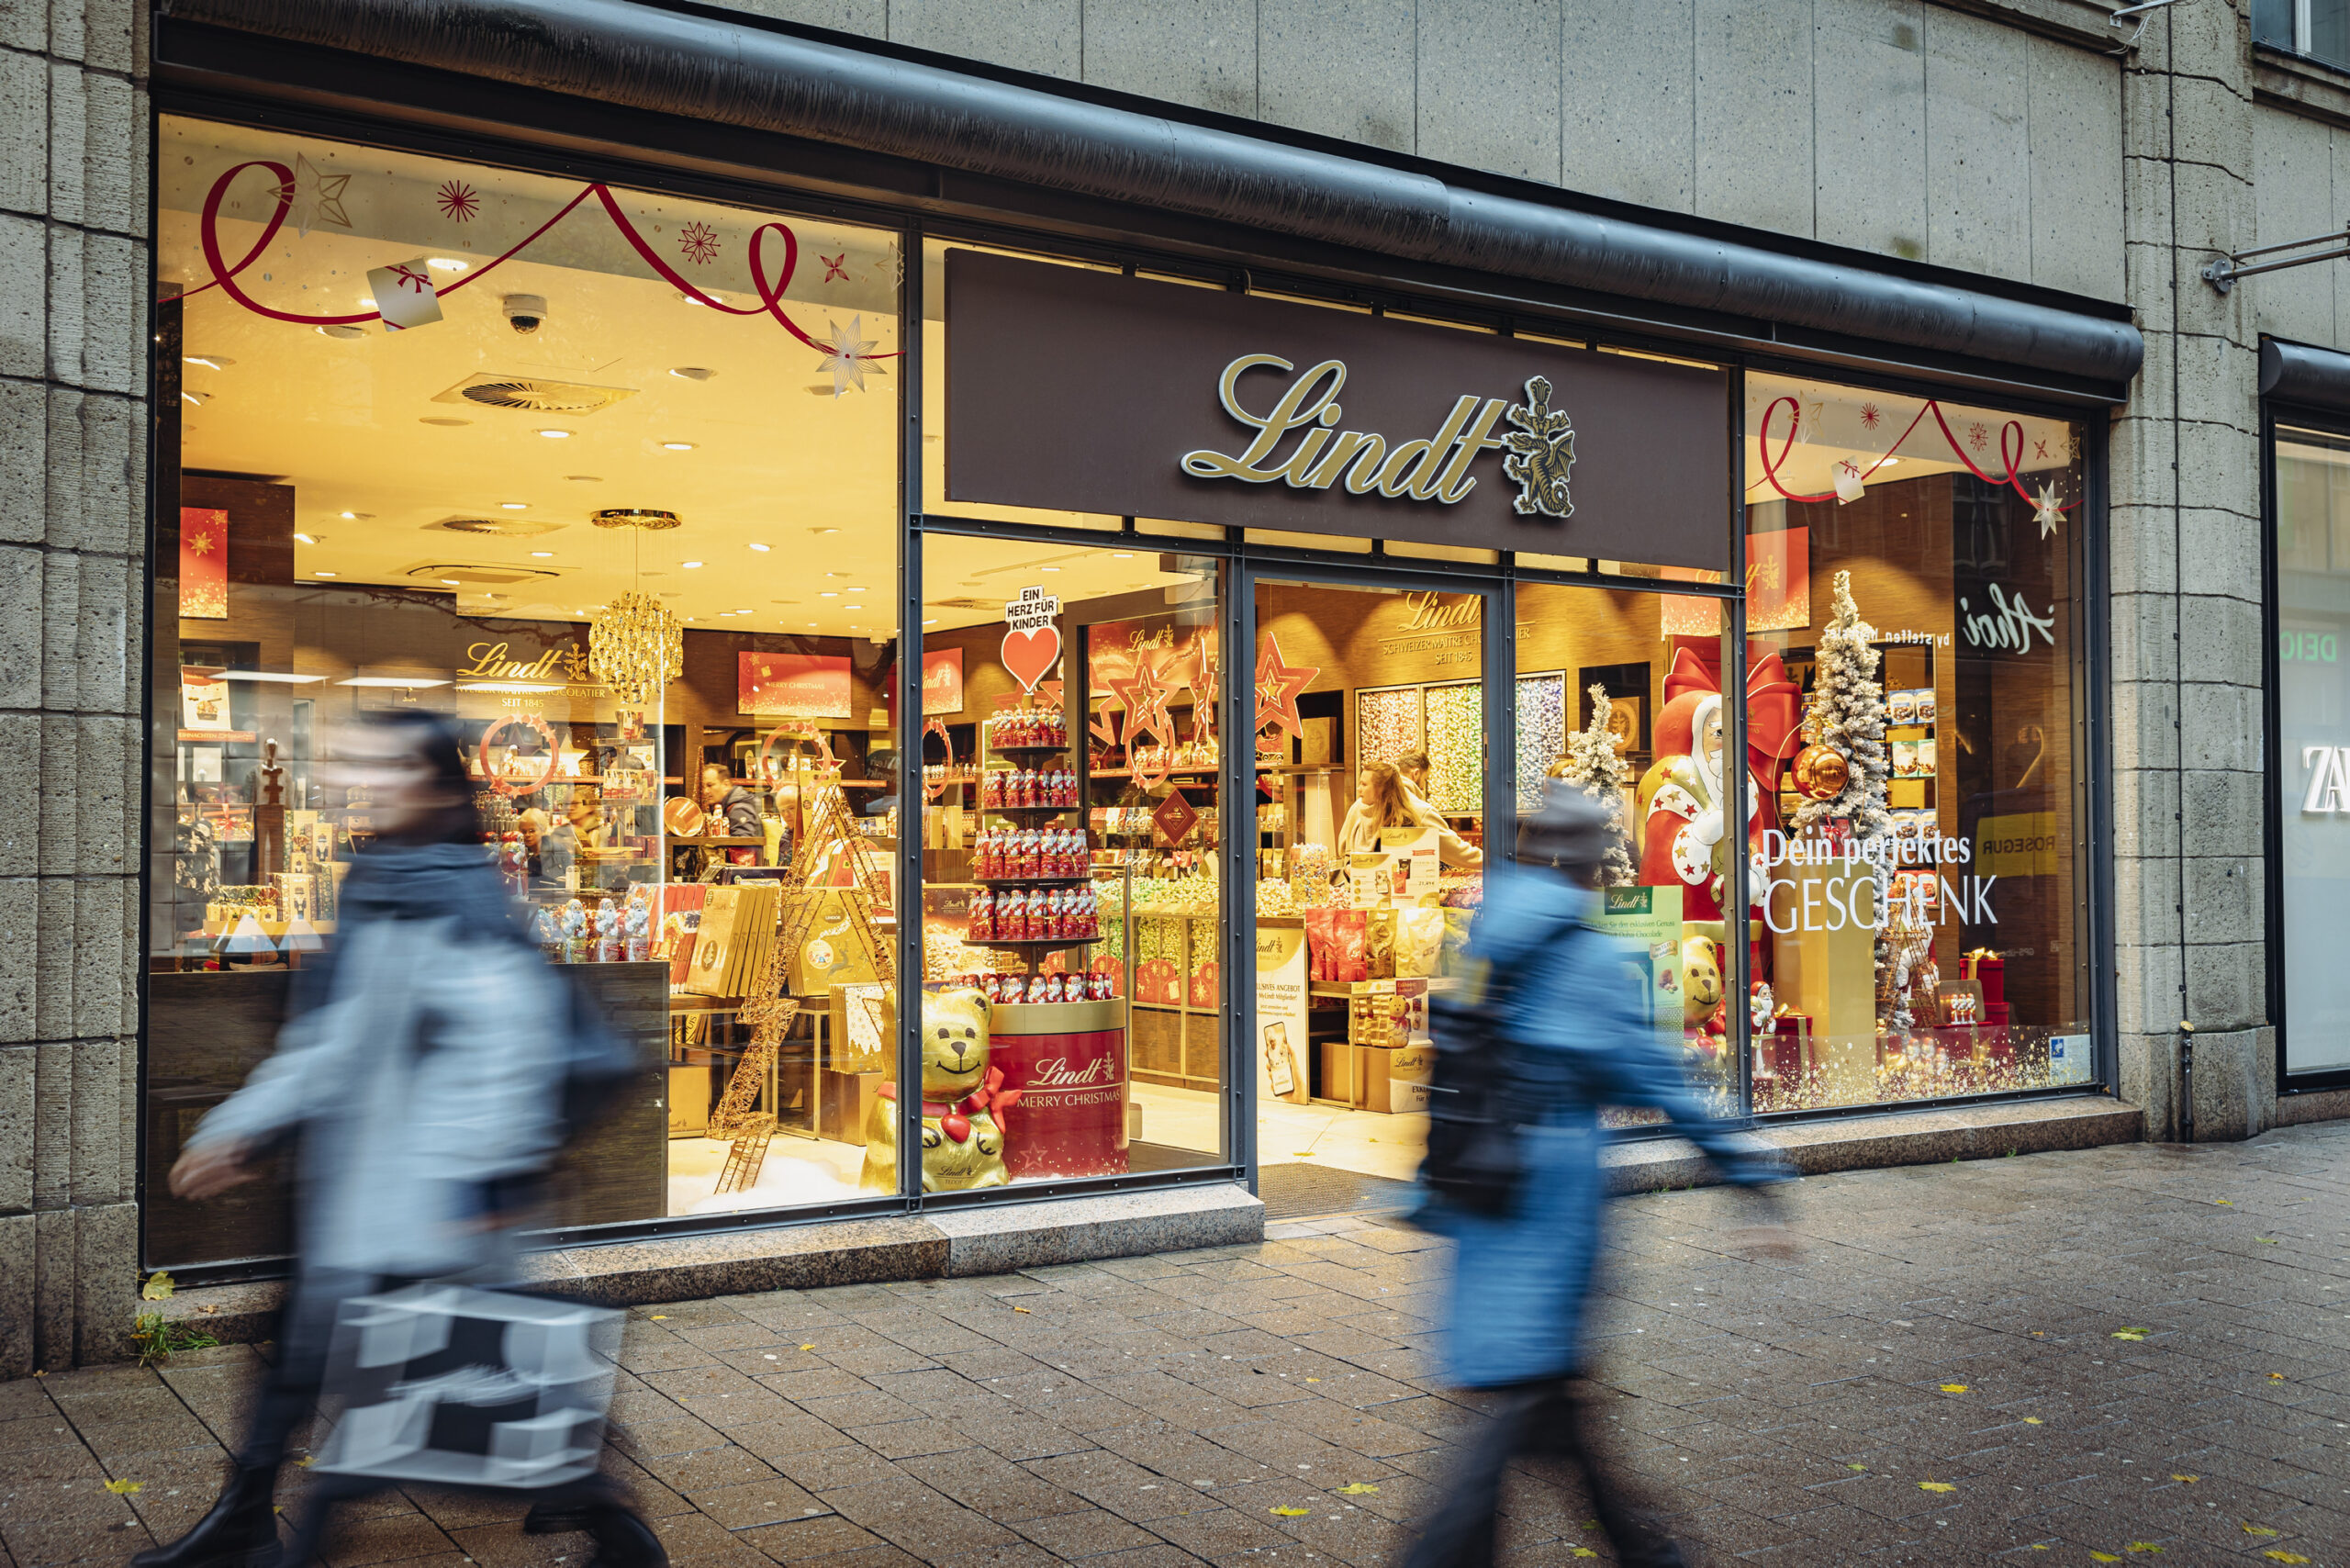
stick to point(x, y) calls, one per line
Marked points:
point(765, 1009)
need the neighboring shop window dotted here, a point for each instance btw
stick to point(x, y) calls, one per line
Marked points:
point(2313, 742)
point(595, 473)
point(1073, 919)
point(1911, 616)
point(1621, 693)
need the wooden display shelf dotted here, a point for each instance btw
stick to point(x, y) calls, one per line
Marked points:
point(1033, 881)
point(1043, 944)
point(1028, 750)
point(1189, 772)
point(717, 842)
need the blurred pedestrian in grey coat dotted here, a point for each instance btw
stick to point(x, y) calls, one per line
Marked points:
point(1522, 1277)
point(418, 1083)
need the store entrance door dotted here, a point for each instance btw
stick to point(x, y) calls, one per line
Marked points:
point(1374, 808)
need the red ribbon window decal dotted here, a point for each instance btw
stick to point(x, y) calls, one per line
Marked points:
point(224, 277)
point(2011, 452)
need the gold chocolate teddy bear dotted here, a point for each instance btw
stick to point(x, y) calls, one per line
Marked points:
point(962, 1141)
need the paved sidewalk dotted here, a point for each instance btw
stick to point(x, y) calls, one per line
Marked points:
point(1945, 1378)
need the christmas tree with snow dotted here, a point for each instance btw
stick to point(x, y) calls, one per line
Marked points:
point(1848, 717)
point(1594, 766)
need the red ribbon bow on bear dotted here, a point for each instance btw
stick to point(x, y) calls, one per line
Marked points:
point(955, 1120)
point(1773, 707)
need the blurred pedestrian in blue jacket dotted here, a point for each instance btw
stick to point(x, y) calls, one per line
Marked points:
point(1522, 1277)
point(418, 1085)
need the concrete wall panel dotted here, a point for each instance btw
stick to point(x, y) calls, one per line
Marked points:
point(1869, 65)
point(1489, 86)
point(1200, 53)
point(1978, 193)
point(1627, 108)
point(1754, 159)
point(1046, 36)
point(2074, 138)
point(1341, 68)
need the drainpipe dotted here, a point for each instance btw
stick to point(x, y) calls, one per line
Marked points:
point(2186, 1082)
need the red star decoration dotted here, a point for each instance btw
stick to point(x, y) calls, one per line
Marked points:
point(1278, 685)
point(698, 242)
point(836, 267)
point(1144, 697)
point(456, 199)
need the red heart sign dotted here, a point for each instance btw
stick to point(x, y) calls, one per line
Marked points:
point(1029, 655)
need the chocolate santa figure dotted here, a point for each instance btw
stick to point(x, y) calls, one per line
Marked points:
point(1683, 839)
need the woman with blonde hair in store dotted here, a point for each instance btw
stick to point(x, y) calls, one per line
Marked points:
point(1450, 847)
point(1382, 800)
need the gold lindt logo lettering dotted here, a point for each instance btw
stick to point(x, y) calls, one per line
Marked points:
point(490, 663)
point(1429, 612)
point(1427, 468)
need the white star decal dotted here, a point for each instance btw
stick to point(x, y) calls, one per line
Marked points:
point(847, 355)
point(2045, 512)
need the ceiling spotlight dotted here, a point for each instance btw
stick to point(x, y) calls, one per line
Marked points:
point(824, 530)
point(1122, 555)
point(762, 549)
point(447, 264)
point(676, 446)
point(556, 435)
point(452, 582)
point(693, 373)
point(347, 516)
point(738, 612)
point(306, 538)
point(689, 565)
point(1049, 568)
point(209, 361)
point(811, 623)
point(853, 591)
point(514, 506)
point(403, 682)
point(828, 594)
point(543, 554)
point(322, 573)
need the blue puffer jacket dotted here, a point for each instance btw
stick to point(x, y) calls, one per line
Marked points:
point(1521, 1279)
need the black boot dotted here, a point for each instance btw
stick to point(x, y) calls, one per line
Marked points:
point(622, 1537)
point(239, 1532)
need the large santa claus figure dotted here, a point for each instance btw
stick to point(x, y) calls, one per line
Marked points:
point(1689, 818)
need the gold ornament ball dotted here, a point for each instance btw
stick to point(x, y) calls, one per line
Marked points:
point(1821, 772)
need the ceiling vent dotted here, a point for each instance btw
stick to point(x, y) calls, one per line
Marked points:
point(496, 526)
point(468, 574)
point(534, 395)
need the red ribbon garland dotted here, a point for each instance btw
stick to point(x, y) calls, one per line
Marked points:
point(225, 276)
point(2011, 454)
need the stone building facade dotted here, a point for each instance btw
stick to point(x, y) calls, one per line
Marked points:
point(2033, 143)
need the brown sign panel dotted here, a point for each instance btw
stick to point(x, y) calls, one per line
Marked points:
point(1077, 390)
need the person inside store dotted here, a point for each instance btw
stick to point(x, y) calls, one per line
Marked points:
point(1562, 1038)
point(1450, 847)
point(418, 1087)
point(729, 803)
point(1383, 800)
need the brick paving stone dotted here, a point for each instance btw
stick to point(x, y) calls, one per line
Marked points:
point(1151, 1411)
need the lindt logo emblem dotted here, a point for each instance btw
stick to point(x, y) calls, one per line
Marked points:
point(1424, 468)
point(1057, 1074)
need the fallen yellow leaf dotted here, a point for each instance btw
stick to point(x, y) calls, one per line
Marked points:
point(1289, 1513)
point(806, 1347)
point(2259, 1529)
point(1856, 1467)
point(124, 1489)
point(2266, 1240)
point(2034, 1421)
point(2273, 1555)
point(1936, 1487)
point(1582, 1552)
point(1301, 1154)
point(2103, 1557)
point(1357, 1489)
point(1953, 1388)
point(158, 1287)
point(2132, 1335)
point(1024, 1309)
point(660, 1317)
point(2276, 1377)
point(2225, 1203)
point(2190, 1480)
point(306, 1461)
point(2143, 1546)
point(2040, 1546)
point(1314, 1380)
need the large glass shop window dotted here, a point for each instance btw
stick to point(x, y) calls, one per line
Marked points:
point(2313, 742)
point(1621, 693)
point(1914, 784)
point(609, 478)
point(1073, 916)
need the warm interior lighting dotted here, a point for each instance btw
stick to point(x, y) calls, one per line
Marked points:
point(279, 677)
point(402, 682)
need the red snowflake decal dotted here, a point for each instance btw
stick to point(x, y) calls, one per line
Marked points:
point(2040, 448)
point(1979, 435)
point(698, 242)
point(458, 200)
point(1870, 416)
point(835, 267)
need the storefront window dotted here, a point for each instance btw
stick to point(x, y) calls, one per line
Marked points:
point(1911, 614)
point(2313, 488)
point(609, 480)
point(1072, 903)
point(1619, 692)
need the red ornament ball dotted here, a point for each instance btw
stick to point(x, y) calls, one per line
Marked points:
point(1821, 772)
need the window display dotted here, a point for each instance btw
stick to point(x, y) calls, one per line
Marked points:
point(2313, 491)
point(1916, 797)
point(611, 479)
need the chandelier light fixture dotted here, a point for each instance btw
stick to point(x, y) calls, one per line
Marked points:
point(634, 646)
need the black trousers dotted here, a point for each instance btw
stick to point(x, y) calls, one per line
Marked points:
point(1544, 1418)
